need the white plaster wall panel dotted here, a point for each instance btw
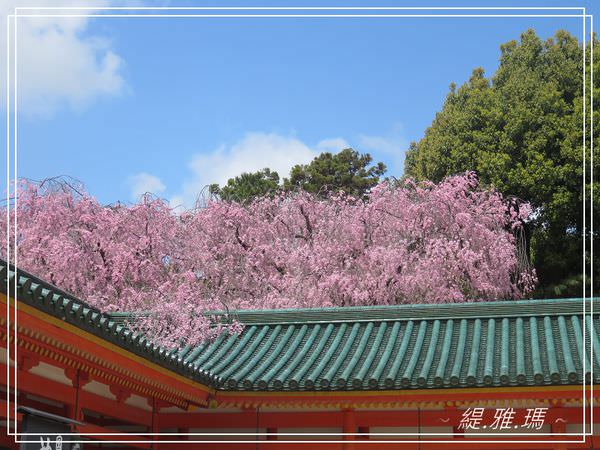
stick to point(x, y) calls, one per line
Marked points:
point(51, 372)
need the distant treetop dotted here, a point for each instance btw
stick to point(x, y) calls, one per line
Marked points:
point(328, 173)
point(347, 171)
point(248, 186)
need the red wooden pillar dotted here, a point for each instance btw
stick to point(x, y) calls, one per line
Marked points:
point(155, 424)
point(78, 380)
point(27, 362)
point(559, 428)
point(156, 404)
point(349, 427)
point(457, 432)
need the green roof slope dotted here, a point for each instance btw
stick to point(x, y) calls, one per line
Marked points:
point(508, 343)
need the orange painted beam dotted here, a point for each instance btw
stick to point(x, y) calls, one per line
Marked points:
point(106, 375)
point(330, 419)
point(452, 397)
point(61, 331)
point(43, 387)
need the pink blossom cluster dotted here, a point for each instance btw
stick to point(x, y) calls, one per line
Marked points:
point(406, 243)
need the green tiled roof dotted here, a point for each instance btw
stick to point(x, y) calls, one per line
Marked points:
point(508, 343)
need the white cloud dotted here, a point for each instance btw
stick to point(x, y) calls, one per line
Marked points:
point(332, 145)
point(253, 152)
point(389, 145)
point(143, 182)
point(59, 63)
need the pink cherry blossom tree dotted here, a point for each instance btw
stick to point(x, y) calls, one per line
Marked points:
point(406, 243)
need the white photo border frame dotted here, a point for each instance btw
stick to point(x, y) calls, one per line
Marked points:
point(584, 17)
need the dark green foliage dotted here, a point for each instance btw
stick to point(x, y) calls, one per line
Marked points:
point(521, 131)
point(248, 186)
point(346, 171)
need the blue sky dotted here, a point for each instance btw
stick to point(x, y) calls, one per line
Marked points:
point(170, 104)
